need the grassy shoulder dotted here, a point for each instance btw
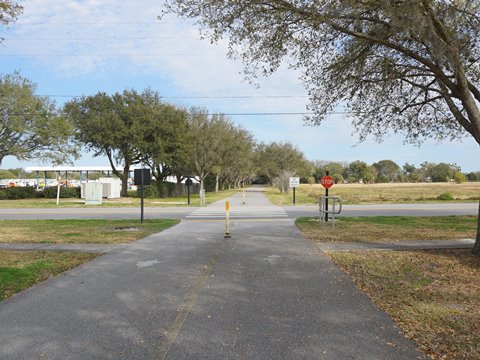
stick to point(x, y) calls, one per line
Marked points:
point(20, 270)
point(390, 228)
point(211, 197)
point(434, 296)
point(80, 231)
point(384, 193)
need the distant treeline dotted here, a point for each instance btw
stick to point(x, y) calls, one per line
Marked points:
point(388, 171)
point(269, 169)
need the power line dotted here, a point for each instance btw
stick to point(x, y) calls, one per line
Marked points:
point(231, 97)
point(101, 38)
point(110, 55)
point(265, 114)
point(283, 113)
point(233, 114)
point(20, 23)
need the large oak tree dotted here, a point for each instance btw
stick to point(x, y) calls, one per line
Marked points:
point(411, 66)
point(30, 126)
point(128, 128)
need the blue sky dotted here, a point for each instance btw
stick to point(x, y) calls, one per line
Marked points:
point(74, 48)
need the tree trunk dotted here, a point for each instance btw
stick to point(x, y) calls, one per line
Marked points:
point(123, 177)
point(476, 247)
point(216, 182)
point(124, 192)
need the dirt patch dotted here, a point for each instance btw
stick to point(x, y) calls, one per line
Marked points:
point(126, 228)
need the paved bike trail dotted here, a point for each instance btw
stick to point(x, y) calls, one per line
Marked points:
point(188, 293)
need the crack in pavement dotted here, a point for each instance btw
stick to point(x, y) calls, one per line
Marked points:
point(172, 332)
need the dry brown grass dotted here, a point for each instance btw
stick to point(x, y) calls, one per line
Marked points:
point(434, 296)
point(395, 192)
point(389, 228)
point(374, 193)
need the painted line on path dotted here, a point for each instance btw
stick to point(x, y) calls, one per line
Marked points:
point(238, 220)
point(172, 332)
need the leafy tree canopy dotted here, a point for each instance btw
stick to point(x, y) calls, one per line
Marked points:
point(409, 65)
point(387, 169)
point(9, 11)
point(219, 146)
point(334, 168)
point(127, 127)
point(276, 158)
point(30, 127)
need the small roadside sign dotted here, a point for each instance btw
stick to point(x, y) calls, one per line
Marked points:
point(142, 177)
point(189, 183)
point(327, 181)
point(294, 182)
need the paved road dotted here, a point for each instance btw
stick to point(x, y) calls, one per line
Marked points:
point(240, 211)
point(187, 293)
point(392, 210)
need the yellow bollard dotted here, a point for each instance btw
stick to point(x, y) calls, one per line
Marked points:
point(227, 220)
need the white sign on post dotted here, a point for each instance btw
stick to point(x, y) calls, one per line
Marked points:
point(294, 182)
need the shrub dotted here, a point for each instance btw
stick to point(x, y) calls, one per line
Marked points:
point(16, 193)
point(6, 174)
point(445, 196)
point(308, 180)
point(338, 178)
point(382, 179)
point(282, 181)
point(459, 177)
point(65, 192)
point(163, 189)
point(132, 193)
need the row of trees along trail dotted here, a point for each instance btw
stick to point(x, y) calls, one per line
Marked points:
point(411, 66)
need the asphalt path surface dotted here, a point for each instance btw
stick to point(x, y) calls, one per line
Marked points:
point(188, 293)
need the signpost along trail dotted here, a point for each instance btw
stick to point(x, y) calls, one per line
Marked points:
point(327, 182)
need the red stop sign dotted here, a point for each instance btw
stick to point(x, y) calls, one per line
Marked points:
point(327, 181)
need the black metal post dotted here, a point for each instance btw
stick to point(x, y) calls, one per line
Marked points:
point(141, 204)
point(293, 196)
point(188, 194)
point(326, 201)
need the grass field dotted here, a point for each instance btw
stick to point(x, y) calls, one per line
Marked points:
point(390, 228)
point(20, 270)
point(211, 197)
point(79, 231)
point(374, 193)
point(434, 296)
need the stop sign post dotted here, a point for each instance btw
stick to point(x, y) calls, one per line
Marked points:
point(327, 182)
